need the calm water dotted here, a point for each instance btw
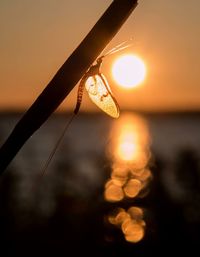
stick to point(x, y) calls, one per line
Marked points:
point(114, 188)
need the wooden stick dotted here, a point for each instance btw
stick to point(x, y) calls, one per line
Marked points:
point(67, 77)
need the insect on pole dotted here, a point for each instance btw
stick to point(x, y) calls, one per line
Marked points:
point(67, 77)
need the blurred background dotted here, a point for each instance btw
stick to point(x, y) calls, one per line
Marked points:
point(115, 187)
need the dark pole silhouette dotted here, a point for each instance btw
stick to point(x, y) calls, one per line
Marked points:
point(67, 77)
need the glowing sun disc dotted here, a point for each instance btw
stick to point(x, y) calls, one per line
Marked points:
point(129, 71)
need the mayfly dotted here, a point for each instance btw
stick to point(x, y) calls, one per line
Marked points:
point(99, 92)
point(98, 88)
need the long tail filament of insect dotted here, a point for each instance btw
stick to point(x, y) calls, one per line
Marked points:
point(57, 145)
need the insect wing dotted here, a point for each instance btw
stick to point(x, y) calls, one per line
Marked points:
point(100, 94)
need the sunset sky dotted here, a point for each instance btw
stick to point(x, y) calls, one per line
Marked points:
point(38, 36)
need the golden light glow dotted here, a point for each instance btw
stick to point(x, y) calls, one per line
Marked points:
point(131, 223)
point(134, 233)
point(127, 149)
point(132, 188)
point(113, 192)
point(121, 217)
point(129, 71)
point(136, 213)
point(129, 152)
point(131, 139)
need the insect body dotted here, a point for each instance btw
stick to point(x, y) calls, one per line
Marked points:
point(98, 90)
point(97, 86)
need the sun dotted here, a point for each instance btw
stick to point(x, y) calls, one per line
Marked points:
point(129, 71)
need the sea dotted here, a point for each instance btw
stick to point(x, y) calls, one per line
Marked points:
point(113, 187)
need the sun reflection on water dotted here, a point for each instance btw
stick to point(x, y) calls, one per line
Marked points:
point(130, 155)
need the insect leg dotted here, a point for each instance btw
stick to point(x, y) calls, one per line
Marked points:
point(119, 47)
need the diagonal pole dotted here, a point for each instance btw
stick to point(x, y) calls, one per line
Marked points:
point(66, 77)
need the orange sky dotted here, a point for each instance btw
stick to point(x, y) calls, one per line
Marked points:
point(37, 37)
